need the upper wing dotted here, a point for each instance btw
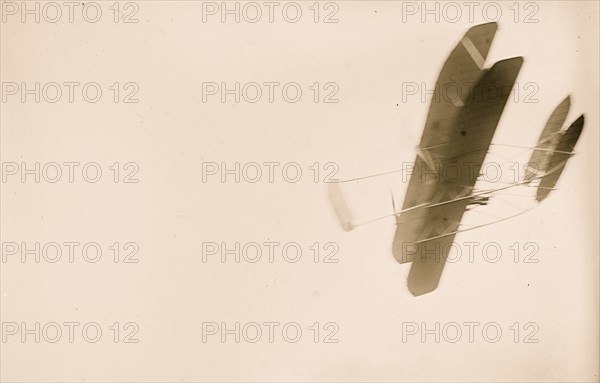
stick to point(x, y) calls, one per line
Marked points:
point(469, 144)
point(471, 138)
point(559, 158)
point(540, 158)
point(461, 71)
point(454, 88)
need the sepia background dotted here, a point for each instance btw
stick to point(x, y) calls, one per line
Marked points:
point(360, 303)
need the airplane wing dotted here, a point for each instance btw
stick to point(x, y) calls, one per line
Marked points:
point(469, 138)
point(540, 158)
point(559, 158)
point(459, 75)
point(461, 71)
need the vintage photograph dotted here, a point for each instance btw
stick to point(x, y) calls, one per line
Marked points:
point(299, 191)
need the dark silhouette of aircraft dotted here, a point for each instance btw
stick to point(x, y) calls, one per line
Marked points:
point(458, 132)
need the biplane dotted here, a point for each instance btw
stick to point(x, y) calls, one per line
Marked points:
point(459, 131)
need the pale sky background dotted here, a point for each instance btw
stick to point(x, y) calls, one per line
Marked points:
point(370, 53)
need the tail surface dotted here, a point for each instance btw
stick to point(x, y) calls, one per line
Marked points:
point(559, 158)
